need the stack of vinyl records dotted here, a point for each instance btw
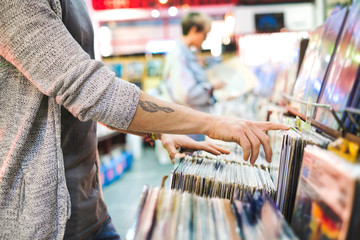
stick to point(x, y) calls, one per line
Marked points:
point(328, 196)
point(258, 218)
point(212, 176)
point(170, 214)
point(291, 155)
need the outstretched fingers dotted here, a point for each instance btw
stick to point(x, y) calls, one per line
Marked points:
point(206, 146)
point(245, 144)
point(265, 141)
point(173, 142)
point(265, 126)
point(253, 135)
point(255, 145)
point(218, 148)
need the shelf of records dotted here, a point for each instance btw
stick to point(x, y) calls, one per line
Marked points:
point(172, 214)
point(310, 190)
point(327, 80)
point(329, 75)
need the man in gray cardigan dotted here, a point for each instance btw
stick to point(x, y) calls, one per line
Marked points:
point(45, 75)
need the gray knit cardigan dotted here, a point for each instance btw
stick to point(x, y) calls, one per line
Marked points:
point(41, 68)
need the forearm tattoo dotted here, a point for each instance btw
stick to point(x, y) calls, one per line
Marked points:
point(153, 107)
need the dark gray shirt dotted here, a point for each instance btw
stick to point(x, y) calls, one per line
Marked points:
point(79, 142)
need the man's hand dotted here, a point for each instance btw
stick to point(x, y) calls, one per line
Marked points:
point(172, 142)
point(249, 135)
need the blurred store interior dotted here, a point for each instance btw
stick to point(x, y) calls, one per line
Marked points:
point(133, 37)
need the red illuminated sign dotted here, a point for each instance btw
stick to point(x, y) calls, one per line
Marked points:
point(115, 4)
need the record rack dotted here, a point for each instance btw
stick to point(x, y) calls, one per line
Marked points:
point(310, 190)
point(342, 132)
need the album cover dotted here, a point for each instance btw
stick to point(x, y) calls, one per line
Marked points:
point(311, 54)
point(279, 198)
point(343, 71)
point(326, 48)
point(325, 196)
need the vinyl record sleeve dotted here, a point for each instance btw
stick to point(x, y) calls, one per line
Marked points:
point(317, 60)
point(286, 167)
point(354, 230)
point(311, 54)
point(230, 220)
point(147, 215)
point(325, 196)
point(343, 71)
point(330, 35)
point(289, 175)
point(301, 143)
point(165, 211)
point(281, 171)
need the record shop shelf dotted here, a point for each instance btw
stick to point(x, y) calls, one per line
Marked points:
point(327, 130)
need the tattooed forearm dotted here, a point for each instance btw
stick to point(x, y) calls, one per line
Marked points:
point(153, 107)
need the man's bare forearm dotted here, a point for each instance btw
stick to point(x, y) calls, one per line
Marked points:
point(154, 115)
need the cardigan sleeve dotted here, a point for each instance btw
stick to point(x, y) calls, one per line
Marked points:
point(34, 40)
